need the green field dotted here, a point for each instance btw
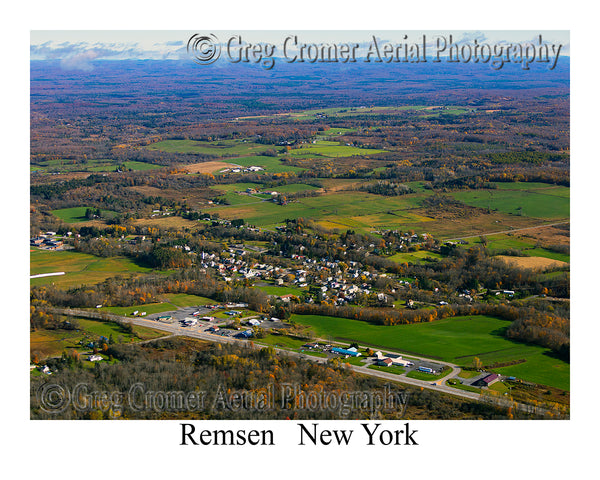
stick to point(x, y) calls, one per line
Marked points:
point(326, 148)
point(549, 203)
point(456, 340)
point(91, 165)
point(526, 245)
point(275, 290)
point(428, 377)
point(294, 188)
point(282, 341)
point(79, 268)
point(77, 214)
point(460, 386)
point(186, 300)
point(335, 131)
point(359, 210)
point(236, 187)
point(149, 308)
point(415, 257)
point(221, 148)
point(270, 164)
point(397, 369)
point(47, 343)
point(343, 112)
point(171, 303)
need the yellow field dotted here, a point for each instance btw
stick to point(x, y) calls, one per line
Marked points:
point(166, 222)
point(533, 263)
point(207, 167)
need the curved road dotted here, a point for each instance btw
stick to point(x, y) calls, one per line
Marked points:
point(188, 332)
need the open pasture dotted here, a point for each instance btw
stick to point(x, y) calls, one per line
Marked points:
point(544, 203)
point(77, 214)
point(326, 148)
point(270, 164)
point(79, 268)
point(220, 148)
point(456, 340)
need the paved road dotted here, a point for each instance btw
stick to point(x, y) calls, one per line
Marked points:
point(439, 386)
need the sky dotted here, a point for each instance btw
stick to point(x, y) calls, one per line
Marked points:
point(77, 48)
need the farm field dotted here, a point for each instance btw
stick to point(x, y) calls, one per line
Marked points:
point(340, 205)
point(51, 343)
point(364, 212)
point(548, 189)
point(533, 263)
point(456, 340)
point(519, 242)
point(342, 112)
point(236, 187)
point(270, 164)
point(79, 268)
point(220, 148)
point(421, 256)
point(326, 148)
point(334, 132)
point(91, 165)
point(77, 214)
point(551, 203)
point(206, 167)
point(294, 188)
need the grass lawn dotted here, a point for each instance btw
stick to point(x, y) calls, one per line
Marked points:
point(106, 329)
point(282, 341)
point(149, 308)
point(274, 290)
point(359, 361)
point(313, 353)
point(460, 386)
point(456, 340)
point(396, 369)
point(468, 373)
point(79, 268)
point(499, 387)
point(185, 300)
point(427, 376)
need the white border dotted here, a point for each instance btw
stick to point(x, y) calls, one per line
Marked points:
point(150, 449)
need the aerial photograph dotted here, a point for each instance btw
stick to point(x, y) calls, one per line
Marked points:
point(299, 225)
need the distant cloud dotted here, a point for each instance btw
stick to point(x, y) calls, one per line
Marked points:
point(79, 61)
point(470, 37)
point(79, 56)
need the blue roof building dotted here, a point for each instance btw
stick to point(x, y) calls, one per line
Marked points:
point(343, 351)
